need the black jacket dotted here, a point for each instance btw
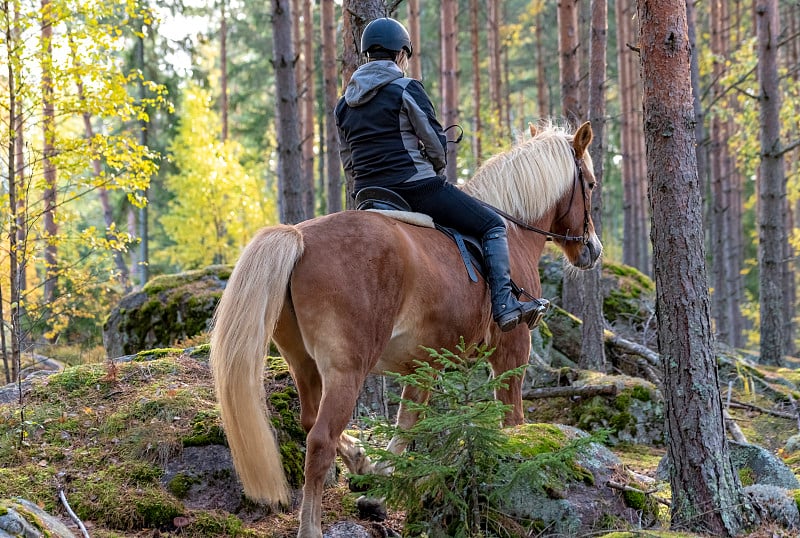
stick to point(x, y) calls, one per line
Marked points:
point(388, 131)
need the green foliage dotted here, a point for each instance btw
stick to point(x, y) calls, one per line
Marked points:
point(218, 203)
point(95, 99)
point(461, 461)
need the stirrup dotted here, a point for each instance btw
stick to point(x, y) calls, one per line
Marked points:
point(531, 317)
point(539, 314)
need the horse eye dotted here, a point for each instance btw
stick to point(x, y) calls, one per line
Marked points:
point(592, 185)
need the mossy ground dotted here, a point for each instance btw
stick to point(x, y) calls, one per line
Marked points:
point(103, 433)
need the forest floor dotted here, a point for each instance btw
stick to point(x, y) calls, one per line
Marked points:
point(103, 432)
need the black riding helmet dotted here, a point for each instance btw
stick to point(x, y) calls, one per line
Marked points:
point(385, 34)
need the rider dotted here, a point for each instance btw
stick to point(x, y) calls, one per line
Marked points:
point(390, 137)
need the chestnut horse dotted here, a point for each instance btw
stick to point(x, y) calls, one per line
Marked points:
point(356, 292)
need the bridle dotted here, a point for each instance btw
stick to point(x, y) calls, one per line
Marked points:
point(549, 236)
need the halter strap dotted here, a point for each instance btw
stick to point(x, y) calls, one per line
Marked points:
point(549, 236)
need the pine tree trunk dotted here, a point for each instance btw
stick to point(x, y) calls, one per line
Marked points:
point(772, 189)
point(291, 186)
point(592, 345)
point(356, 14)
point(449, 79)
point(48, 151)
point(308, 101)
point(331, 87)
point(223, 67)
point(572, 291)
point(474, 32)
point(415, 62)
point(706, 493)
point(495, 65)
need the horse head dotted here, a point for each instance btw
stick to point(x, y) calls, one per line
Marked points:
point(572, 228)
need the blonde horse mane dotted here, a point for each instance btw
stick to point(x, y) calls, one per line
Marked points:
point(531, 177)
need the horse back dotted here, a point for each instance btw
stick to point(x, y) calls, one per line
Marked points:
point(374, 287)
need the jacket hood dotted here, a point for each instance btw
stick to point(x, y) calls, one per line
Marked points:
point(368, 79)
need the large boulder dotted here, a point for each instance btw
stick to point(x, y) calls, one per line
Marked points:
point(166, 310)
point(579, 502)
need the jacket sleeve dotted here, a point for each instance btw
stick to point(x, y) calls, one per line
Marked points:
point(344, 148)
point(422, 116)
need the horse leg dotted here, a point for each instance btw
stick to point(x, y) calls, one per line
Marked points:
point(507, 358)
point(372, 508)
point(339, 396)
point(406, 418)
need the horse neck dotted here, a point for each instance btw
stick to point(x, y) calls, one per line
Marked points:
point(525, 249)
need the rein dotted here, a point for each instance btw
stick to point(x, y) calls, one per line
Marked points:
point(550, 235)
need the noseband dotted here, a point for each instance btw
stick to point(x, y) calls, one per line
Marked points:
point(549, 236)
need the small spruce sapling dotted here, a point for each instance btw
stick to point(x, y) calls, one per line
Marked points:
point(459, 459)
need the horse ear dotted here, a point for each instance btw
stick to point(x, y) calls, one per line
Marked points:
point(532, 127)
point(582, 138)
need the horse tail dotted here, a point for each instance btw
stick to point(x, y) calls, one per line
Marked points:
point(243, 326)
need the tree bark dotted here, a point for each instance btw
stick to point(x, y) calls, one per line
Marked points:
point(495, 64)
point(707, 494)
point(356, 14)
point(474, 32)
point(569, 64)
point(449, 28)
point(308, 93)
point(223, 68)
point(772, 235)
point(290, 157)
point(48, 151)
point(572, 291)
point(331, 88)
point(593, 355)
point(415, 62)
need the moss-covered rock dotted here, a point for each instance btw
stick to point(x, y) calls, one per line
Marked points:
point(571, 498)
point(169, 308)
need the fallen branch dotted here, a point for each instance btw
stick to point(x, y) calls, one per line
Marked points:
point(781, 414)
point(733, 427)
point(72, 514)
point(569, 392)
point(632, 347)
point(625, 487)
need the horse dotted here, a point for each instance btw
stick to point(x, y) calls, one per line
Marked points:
point(357, 292)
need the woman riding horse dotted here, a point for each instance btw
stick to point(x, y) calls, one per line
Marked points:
point(390, 137)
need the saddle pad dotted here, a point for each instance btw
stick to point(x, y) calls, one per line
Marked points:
point(416, 219)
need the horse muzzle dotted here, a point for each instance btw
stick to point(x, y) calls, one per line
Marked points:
point(589, 254)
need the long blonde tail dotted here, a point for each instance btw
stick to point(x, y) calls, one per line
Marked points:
point(243, 326)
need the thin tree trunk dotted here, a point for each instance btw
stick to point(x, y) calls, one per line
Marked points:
point(772, 235)
point(331, 88)
point(706, 493)
point(593, 355)
point(449, 79)
point(223, 67)
point(722, 226)
point(356, 14)
point(495, 65)
point(569, 62)
point(474, 18)
point(542, 93)
point(415, 62)
point(572, 292)
point(290, 157)
point(309, 99)
point(48, 150)
point(11, 363)
point(144, 224)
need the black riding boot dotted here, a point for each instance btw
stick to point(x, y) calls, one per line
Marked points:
point(508, 312)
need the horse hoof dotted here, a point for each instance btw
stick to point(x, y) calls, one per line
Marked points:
point(371, 509)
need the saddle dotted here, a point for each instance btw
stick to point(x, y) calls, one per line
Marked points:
point(381, 199)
